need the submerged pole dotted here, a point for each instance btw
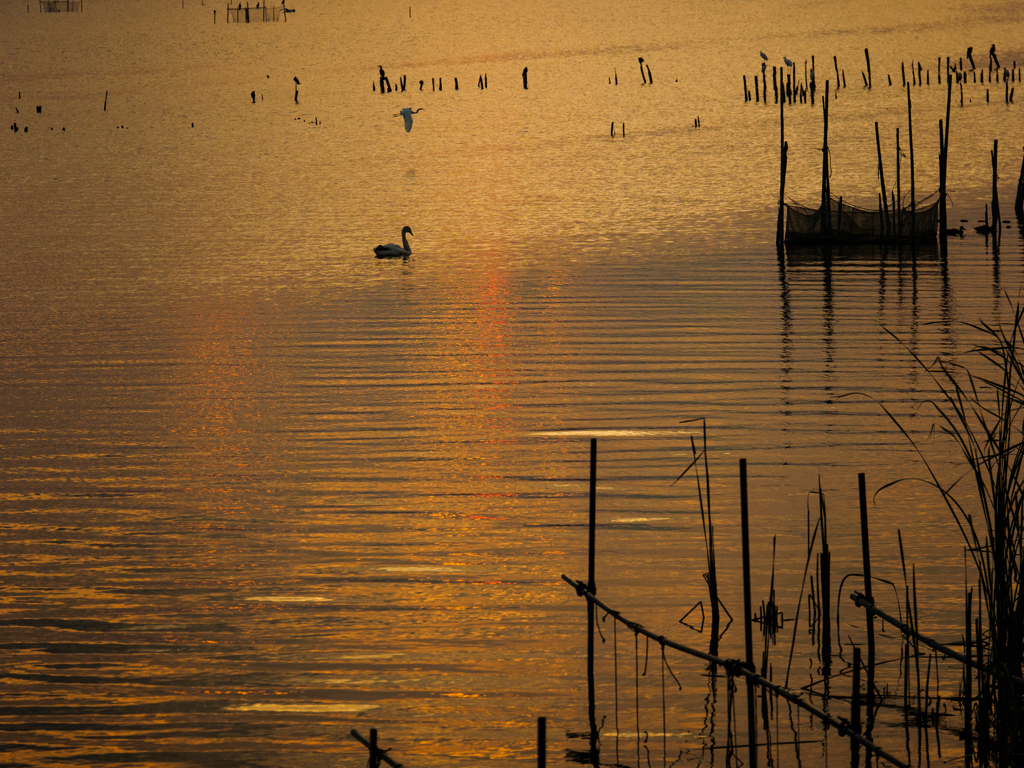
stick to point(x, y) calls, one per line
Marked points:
point(748, 619)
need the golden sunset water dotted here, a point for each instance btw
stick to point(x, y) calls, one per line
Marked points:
point(259, 488)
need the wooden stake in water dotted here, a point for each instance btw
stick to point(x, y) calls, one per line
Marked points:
point(781, 226)
point(867, 58)
point(592, 587)
point(910, 140)
point(826, 192)
point(997, 225)
point(748, 619)
point(886, 223)
point(1018, 203)
point(855, 709)
point(866, 550)
point(826, 587)
point(542, 738)
point(968, 735)
point(944, 155)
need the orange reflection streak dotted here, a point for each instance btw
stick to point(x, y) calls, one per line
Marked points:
point(221, 409)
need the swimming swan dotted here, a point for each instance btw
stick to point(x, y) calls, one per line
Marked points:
point(391, 250)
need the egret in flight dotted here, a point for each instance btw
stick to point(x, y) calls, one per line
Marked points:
point(407, 114)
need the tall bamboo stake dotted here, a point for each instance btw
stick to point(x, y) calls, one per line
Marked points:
point(968, 735)
point(944, 158)
point(910, 140)
point(1018, 203)
point(826, 204)
point(899, 186)
point(747, 619)
point(542, 738)
point(780, 233)
point(866, 551)
point(997, 225)
point(887, 224)
point(825, 583)
point(592, 588)
point(855, 709)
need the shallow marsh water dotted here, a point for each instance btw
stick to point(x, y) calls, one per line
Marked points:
point(259, 488)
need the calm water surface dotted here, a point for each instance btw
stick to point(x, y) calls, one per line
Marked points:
point(259, 488)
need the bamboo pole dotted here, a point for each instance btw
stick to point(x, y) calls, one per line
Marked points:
point(997, 225)
point(910, 141)
point(1018, 203)
point(780, 233)
point(748, 619)
point(887, 225)
point(898, 203)
point(825, 586)
point(866, 552)
point(826, 203)
point(542, 737)
point(592, 585)
point(855, 710)
point(944, 158)
point(968, 735)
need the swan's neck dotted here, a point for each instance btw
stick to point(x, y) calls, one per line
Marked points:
point(405, 242)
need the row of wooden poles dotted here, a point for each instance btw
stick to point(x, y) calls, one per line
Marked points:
point(436, 84)
point(894, 218)
point(793, 90)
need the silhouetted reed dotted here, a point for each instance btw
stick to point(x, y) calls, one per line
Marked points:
point(981, 409)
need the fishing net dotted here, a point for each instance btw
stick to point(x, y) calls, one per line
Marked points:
point(850, 223)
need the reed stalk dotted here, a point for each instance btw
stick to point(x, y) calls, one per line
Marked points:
point(981, 409)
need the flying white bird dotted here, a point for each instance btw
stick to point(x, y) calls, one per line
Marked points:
point(407, 114)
